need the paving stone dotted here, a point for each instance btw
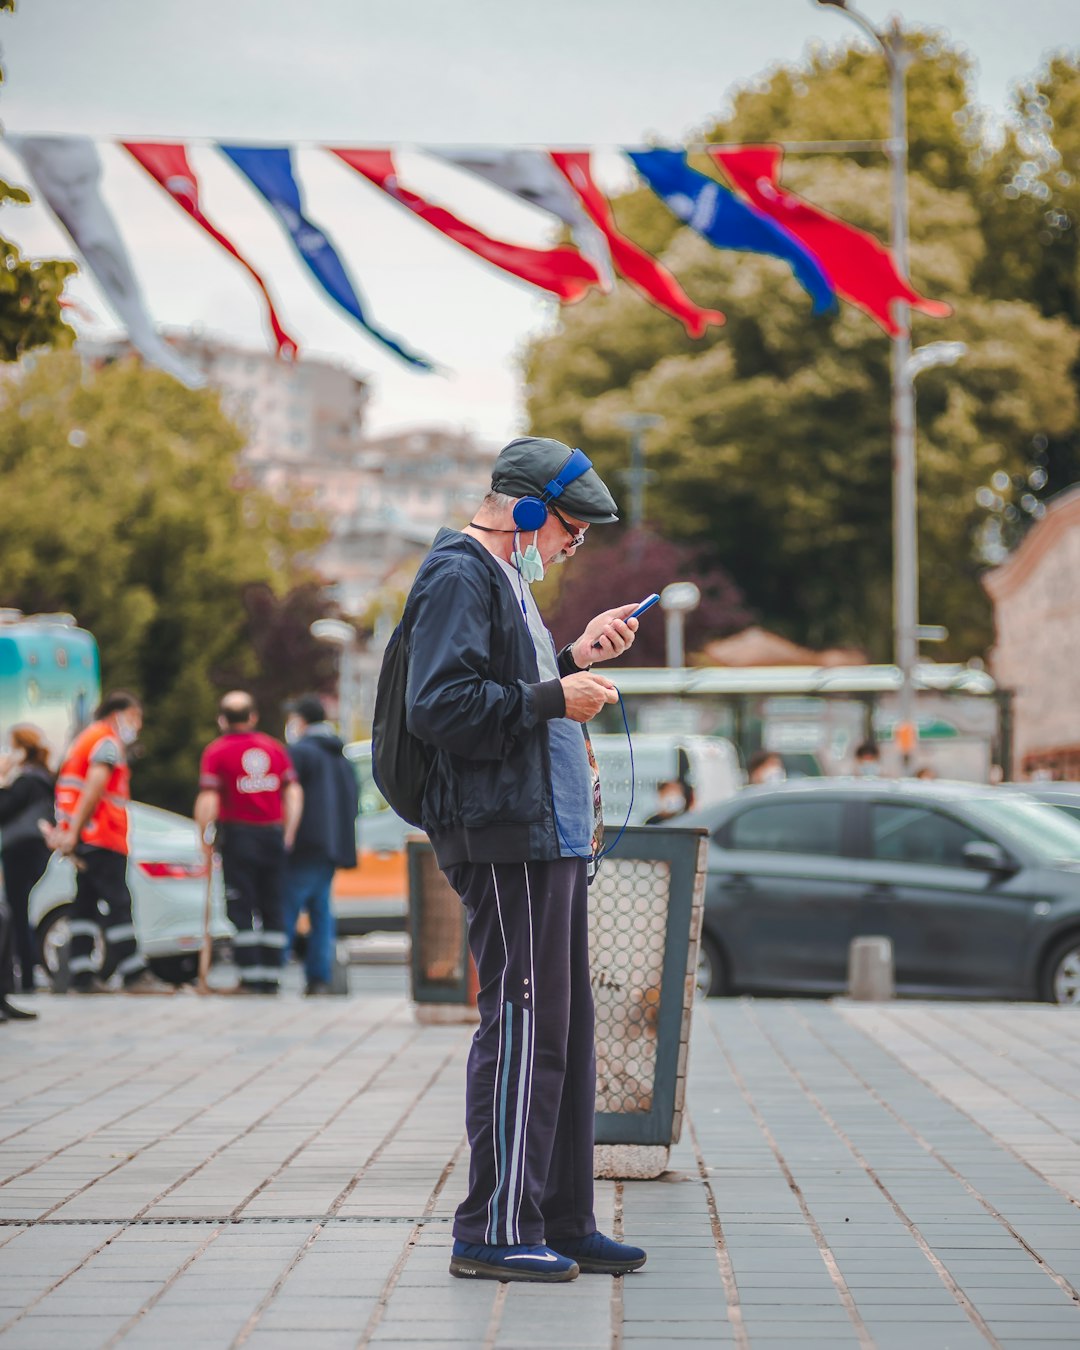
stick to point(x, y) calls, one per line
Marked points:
point(302, 1108)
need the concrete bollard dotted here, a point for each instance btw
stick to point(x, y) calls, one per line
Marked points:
point(870, 969)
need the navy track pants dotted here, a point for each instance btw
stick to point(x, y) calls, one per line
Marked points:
point(253, 864)
point(531, 1092)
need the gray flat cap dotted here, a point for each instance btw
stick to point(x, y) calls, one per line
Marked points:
point(527, 465)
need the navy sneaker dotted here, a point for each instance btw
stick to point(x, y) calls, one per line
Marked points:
point(600, 1255)
point(472, 1261)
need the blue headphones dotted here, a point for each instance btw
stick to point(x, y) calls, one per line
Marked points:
point(531, 512)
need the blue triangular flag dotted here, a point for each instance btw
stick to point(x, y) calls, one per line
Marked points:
point(714, 212)
point(270, 170)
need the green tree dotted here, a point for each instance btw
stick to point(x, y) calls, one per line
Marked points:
point(122, 507)
point(775, 450)
point(30, 313)
point(1029, 196)
point(290, 661)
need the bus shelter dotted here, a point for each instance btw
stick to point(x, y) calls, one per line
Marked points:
point(816, 716)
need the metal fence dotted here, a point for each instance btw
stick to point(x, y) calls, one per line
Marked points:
point(645, 910)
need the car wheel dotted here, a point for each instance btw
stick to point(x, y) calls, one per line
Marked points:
point(176, 969)
point(54, 946)
point(1061, 974)
point(709, 981)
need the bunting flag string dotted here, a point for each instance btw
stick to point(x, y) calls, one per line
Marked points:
point(67, 172)
point(270, 170)
point(168, 165)
point(563, 271)
point(715, 213)
point(863, 271)
point(640, 269)
point(531, 176)
point(750, 212)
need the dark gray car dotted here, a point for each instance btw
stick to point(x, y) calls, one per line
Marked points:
point(978, 890)
point(1065, 796)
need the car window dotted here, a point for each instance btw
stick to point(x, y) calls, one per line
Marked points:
point(790, 827)
point(913, 834)
point(1044, 830)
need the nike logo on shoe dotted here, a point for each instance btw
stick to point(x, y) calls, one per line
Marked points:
point(530, 1256)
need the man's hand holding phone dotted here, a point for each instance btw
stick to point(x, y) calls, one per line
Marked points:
point(607, 636)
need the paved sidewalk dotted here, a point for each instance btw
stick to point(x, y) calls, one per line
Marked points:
point(217, 1173)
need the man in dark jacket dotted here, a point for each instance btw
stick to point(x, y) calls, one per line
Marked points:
point(511, 806)
point(326, 838)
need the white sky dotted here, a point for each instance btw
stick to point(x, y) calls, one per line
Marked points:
point(593, 72)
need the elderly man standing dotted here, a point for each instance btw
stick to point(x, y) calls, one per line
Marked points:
point(512, 809)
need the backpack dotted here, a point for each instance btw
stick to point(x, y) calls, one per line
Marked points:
point(400, 762)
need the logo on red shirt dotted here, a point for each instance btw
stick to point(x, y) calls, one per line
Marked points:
point(256, 776)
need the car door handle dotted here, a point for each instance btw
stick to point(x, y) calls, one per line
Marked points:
point(882, 890)
point(736, 881)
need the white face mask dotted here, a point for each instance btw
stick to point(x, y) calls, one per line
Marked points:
point(292, 731)
point(775, 774)
point(127, 733)
point(529, 564)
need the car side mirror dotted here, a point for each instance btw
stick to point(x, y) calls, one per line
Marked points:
point(983, 856)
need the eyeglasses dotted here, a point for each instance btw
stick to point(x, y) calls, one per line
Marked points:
point(577, 537)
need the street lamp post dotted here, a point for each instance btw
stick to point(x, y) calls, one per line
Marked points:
point(342, 636)
point(638, 475)
point(905, 367)
point(677, 600)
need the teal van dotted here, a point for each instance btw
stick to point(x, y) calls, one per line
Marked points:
point(49, 675)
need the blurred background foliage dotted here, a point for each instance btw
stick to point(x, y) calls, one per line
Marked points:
point(772, 466)
point(774, 457)
point(123, 505)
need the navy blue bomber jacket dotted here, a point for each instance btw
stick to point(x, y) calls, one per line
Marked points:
point(475, 696)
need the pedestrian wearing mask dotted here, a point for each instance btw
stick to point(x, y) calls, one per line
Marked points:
point(868, 760)
point(93, 791)
point(511, 808)
point(25, 799)
point(674, 798)
point(326, 838)
point(248, 791)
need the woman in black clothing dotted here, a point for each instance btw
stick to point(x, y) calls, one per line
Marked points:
point(26, 799)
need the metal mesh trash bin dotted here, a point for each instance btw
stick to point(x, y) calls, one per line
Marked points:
point(442, 972)
point(645, 912)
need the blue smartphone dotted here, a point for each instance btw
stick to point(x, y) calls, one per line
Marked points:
point(645, 604)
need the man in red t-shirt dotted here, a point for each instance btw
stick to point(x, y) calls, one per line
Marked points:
point(249, 791)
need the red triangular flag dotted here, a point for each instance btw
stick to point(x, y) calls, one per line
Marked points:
point(563, 271)
point(168, 165)
point(640, 269)
point(861, 268)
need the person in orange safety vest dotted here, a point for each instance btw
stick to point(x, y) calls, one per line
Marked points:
point(92, 796)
